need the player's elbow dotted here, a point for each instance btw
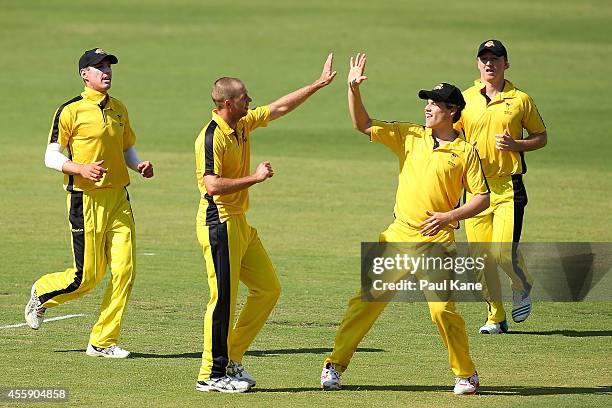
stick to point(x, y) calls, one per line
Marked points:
point(543, 140)
point(485, 201)
point(211, 185)
point(211, 190)
point(54, 159)
point(540, 139)
point(359, 126)
point(362, 126)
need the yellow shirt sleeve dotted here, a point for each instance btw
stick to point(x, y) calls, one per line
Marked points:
point(129, 138)
point(258, 117)
point(389, 134)
point(61, 127)
point(474, 179)
point(212, 154)
point(532, 121)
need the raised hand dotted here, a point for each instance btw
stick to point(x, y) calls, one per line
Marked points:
point(355, 75)
point(328, 75)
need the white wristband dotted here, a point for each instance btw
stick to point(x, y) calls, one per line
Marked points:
point(54, 158)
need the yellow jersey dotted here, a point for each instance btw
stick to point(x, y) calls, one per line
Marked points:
point(431, 175)
point(482, 119)
point(92, 127)
point(223, 151)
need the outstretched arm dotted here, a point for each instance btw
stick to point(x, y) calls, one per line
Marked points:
point(359, 115)
point(289, 102)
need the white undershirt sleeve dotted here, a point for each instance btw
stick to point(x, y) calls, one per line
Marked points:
point(54, 157)
point(131, 158)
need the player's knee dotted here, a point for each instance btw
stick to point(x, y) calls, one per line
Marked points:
point(86, 285)
point(439, 311)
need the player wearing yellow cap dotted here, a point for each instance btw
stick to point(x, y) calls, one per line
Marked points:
point(494, 118)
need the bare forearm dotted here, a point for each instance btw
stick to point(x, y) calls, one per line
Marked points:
point(477, 204)
point(289, 102)
point(216, 185)
point(534, 141)
point(72, 168)
point(359, 115)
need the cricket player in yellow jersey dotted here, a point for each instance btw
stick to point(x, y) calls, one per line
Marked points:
point(232, 249)
point(435, 165)
point(494, 118)
point(95, 130)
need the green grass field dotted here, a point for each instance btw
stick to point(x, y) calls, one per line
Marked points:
point(332, 190)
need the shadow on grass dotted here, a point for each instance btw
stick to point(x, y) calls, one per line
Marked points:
point(500, 391)
point(567, 333)
point(255, 353)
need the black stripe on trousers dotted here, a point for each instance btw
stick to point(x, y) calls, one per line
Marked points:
point(217, 235)
point(77, 226)
point(520, 201)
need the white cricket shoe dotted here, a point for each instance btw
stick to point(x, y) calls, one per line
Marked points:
point(330, 378)
point(34, 311)
point(113, 351)
point(226, 384)
point(467, 386)
point(521, 305)
point(236, 370)
point(494, 328)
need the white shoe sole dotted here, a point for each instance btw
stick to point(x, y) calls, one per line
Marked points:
point(471, 392)
point(94, 353)
point(34, 325)
point(331, 387)
point(210, 388)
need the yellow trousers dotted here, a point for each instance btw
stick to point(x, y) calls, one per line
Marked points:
point(233, 253)
point(360, 315)
point(103, 234)
point(497, 231)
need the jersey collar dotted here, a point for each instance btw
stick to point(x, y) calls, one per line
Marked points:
point(456, 144)
point(508, 92)
point(93, 95)
point(225, 128)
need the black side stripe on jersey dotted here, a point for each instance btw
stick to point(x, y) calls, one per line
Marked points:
point(77, 225)
point(219, 246)
point(70, 186)
point(55, 129)
point(482, 171)
point(212, 212)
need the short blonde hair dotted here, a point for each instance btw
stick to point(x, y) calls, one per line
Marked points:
point(226, 88)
